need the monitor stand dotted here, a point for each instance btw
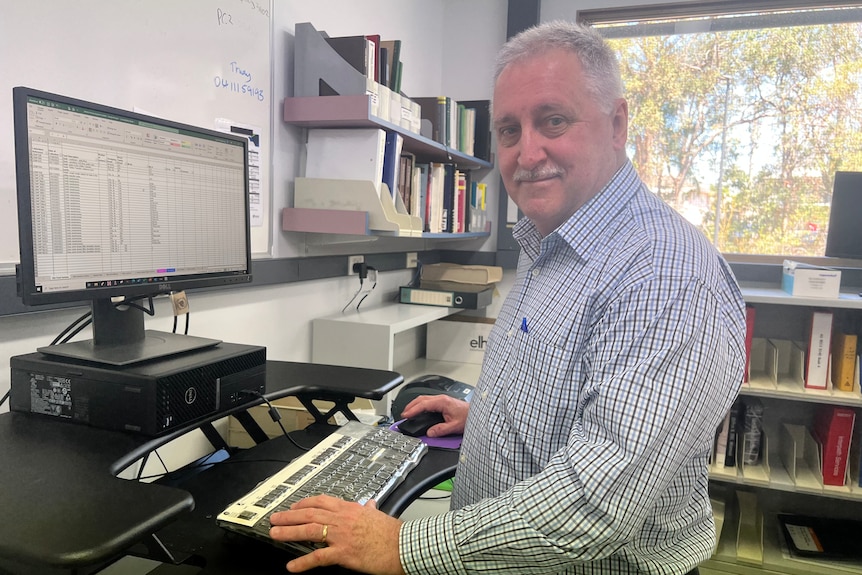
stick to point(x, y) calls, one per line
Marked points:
point(119, 339)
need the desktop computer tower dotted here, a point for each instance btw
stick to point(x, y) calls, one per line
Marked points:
point(150, 398)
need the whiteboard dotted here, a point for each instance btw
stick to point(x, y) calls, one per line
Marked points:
point(201, 62)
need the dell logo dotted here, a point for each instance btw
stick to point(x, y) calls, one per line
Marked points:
point(191, 395)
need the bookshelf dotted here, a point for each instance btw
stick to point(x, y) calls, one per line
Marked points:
point(370, 214)
point(354, 111)
point(750, 542)
point(330, 93)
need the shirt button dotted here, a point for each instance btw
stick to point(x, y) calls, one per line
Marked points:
point(535, 272)
point(462, 458)
point(510, 333)
point(484, 394)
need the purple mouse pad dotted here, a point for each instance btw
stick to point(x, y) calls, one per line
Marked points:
point(447, 442)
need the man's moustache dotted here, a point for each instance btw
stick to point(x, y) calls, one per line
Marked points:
point(537, 174)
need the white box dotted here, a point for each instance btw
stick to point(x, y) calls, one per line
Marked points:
point(346, 154)
point(801, 279)
point(460, 340)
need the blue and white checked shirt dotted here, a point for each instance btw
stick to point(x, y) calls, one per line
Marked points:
point(587, 442)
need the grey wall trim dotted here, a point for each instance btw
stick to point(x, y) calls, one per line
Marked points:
point(288, 270)
point(280, 271)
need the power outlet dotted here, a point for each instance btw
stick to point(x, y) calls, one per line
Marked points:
point(412, 260)
point(353, 260)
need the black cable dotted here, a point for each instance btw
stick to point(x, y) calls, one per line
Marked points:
point(5, 397)
point(186, 332)
point(359, 291)
point(275, 416)
point(370, 269)
point(76, 326)
point(76, 331)
point(72, 325)
point(130, 302)
point(417, 276)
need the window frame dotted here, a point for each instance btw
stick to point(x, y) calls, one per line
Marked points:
point(756, 267)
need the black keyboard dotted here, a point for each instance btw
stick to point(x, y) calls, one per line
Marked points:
point(357, 462)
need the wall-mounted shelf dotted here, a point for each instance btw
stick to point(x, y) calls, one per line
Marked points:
point(355, 112)
point(776, 295)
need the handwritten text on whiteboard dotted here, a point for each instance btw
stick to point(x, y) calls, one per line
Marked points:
point(238, 80)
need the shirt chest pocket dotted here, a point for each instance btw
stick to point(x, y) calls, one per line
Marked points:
point(541, 394)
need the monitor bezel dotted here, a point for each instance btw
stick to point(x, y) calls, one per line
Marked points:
point(26, 269)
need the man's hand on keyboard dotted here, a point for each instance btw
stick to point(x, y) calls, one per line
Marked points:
point(454, 412)
point(358, 537)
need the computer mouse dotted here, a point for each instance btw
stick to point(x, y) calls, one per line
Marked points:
point(420, 424)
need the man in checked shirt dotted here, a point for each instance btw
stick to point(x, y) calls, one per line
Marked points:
point(613, 359)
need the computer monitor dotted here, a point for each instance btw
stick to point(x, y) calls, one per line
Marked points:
point(114, 204)
point(844, 235)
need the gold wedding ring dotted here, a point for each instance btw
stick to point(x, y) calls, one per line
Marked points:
point(325, 531)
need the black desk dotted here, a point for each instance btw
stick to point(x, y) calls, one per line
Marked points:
point(61, 505)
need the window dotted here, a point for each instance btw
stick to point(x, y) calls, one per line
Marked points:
point(742, 112)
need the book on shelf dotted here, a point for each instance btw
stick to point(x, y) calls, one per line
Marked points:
point(420, 195)
point(405, 180)
point(375, 49)
point(752, 431)
point(434, 205)
point(393, 57)
point(466, 128)
point(833, 430)
point(460, 205)
point(346, 154)
point(478, 216)
point(452, 122)
point(721, 440)
point(481, 127)
point(383, 67)
point(750, 314)
point(732, 434)
point(843, 360)
point(392, 160)
point(448, 197)
point(457, 277)
point(817, 352)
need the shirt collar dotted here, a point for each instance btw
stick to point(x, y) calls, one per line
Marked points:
point(592, 217)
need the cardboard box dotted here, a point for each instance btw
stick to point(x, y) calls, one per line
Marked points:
point(806, 280)
point(459, 339)
point(293, 416)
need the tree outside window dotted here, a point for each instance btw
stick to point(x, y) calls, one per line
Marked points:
point(740, 121)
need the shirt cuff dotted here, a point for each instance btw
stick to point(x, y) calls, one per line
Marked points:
point(427, 546)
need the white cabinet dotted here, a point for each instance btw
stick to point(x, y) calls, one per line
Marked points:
point(750, 540)
point(389, 336)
